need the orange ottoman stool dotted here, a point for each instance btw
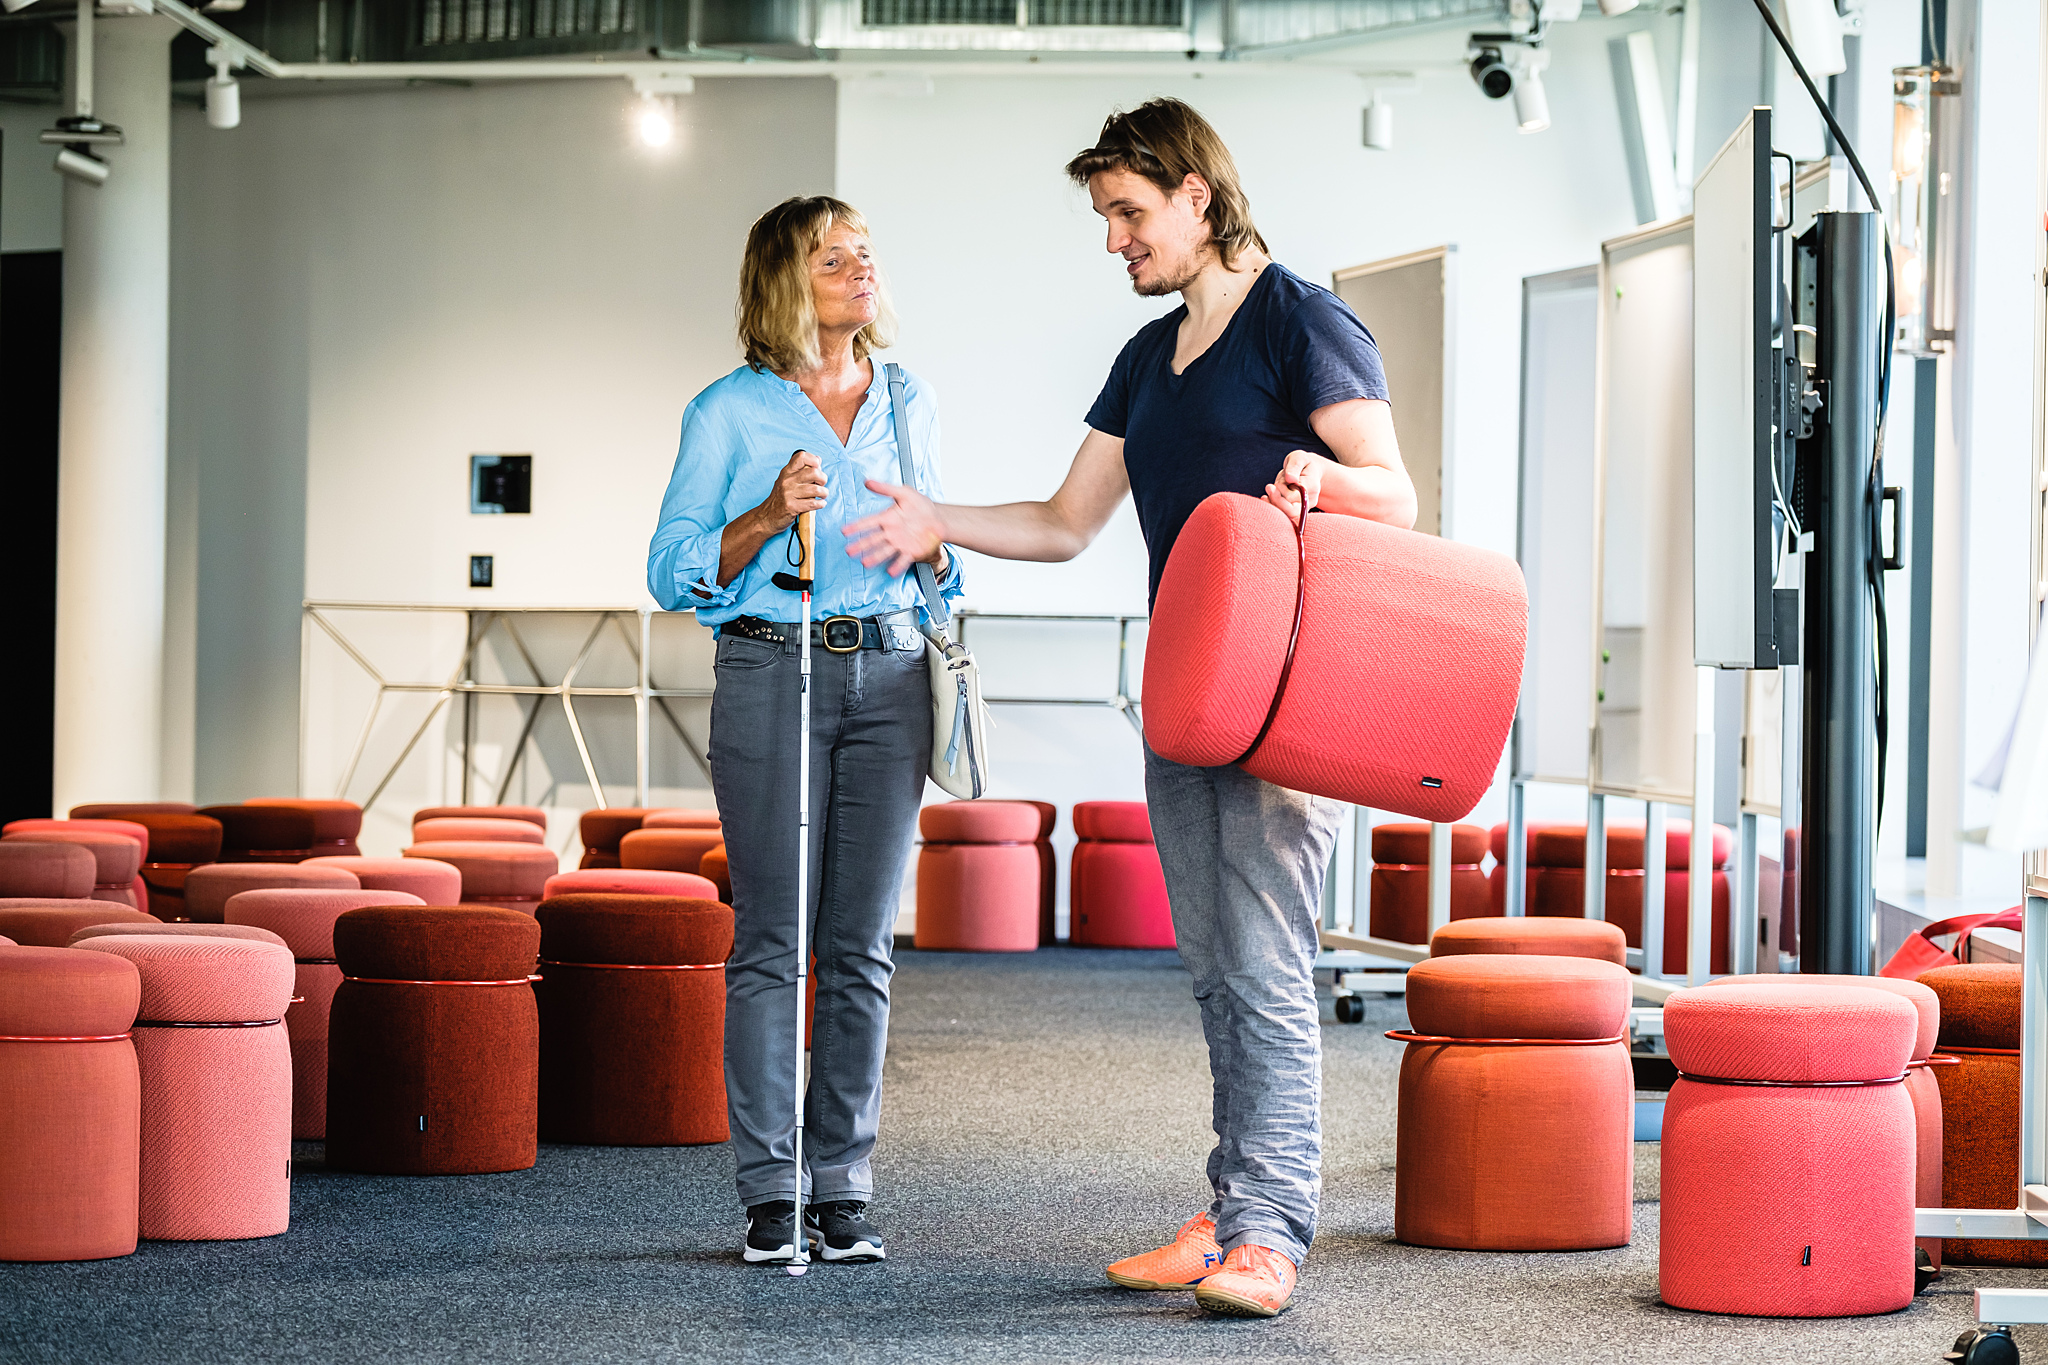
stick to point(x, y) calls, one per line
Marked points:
point(1594, 938)
point(51, 923)
point(631, 881)
point(433, 882)
point(632, 1020)
point(216, 1084)
point(177, 844)
point(493, 872)
point(601, 830)
point(1516, 1125)
point(1116, 892)
point(533, 815)
point(70, 1128)
point(335, 823)
point(1048, 870)
point(208, 889)
point(303, 919)
point(1921, 1087)
point(977, 877)
point(476, 829)
point(117, 859)
point(716, 868)
point(1980, 1102)
point(263, 834)
point(1400, 879)
point(680, 817)
point(1497, 879)
point(667, 849)
point(433, 1043)
point(1560, 886)
point(1787, 1159)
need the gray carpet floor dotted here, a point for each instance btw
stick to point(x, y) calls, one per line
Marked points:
point(1044, 1114)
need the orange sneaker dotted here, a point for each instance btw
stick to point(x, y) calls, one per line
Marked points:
point(1255, 1282)
point(1192, 1254)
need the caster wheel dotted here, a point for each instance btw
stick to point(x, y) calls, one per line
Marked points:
point(1924, 1272)
point(1985, 1346)
point(1350, 1010)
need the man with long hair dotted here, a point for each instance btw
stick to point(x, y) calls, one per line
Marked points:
point(1264, 384)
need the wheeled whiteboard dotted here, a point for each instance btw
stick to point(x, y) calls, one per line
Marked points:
point(1554, 537)
point(1405, 302)
point(1645, 700)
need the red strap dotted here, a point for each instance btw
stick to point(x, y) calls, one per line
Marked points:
point(1984, 1051)
point(1401, 1036)
point(640, 966)
point(393, 981)
point(1293, 635)
point(61, 1037)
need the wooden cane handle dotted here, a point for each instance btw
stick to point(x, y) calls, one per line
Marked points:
point(806, 539)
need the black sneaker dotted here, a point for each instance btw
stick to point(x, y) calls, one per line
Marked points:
point(771, 1231)
point(840, 1230)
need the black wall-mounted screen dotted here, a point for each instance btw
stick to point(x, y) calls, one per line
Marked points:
point(500, 484)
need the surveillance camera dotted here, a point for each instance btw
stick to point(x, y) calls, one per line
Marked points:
point(1495, 78)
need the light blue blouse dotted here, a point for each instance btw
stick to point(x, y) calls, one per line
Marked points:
point(737, 436)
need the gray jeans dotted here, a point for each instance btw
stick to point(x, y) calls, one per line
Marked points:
point(1244, 863)
point(870, 745)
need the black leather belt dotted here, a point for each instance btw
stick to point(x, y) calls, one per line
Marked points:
point(896, 632)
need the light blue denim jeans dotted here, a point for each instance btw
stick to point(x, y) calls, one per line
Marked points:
point(1244, 863)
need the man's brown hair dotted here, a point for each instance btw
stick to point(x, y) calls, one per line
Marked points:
point(1165, 141)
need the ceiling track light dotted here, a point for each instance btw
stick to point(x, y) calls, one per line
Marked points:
point(1532, 102)
point(223, 91)
point(1379, 125)
point(653, 112)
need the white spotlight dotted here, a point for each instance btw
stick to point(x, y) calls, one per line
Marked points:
point(1610, 8)
point(1379, 125)
point(82, 166)
point(1532, 104)
point(655, 121)
point(223, 92)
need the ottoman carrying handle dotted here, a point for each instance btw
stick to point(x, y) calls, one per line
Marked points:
point(640, 966)
point(1293, 633)
point(1791, 1085)
point(1402, 1036)
point(394, 981)
point(62, 1037)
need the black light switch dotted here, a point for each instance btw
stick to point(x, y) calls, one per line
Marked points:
point(480, 571)
point(500, 484)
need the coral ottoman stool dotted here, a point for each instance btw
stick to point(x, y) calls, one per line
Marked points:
point(208, 889)
point(1560, 884)
point(1980, 1102)
point(117, 859)
point(631, 881)
point(1117, 892)
point(216, 1084)
point(459, 829)
point(632, 1019)
point(1516, 1124)
point(46, 871)
point(601, 830)
point(533, 815)
point(51, 923)
point(1522, 934)
point(304, 920)
point(263, 834)
point(1788, 1152)
point(667, 849)
point(977, 877)
point(70, 1127)
point(435, 883)
point(247, 933)
point(433, 1041)
point(335, 823)
point(177, 844)
point(1048, 870)
point(680, 817)
point(715, 867)
point(511, 875)
point(139, 897)
point(1400, 879)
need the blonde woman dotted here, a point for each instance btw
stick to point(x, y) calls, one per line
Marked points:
point(803, 426)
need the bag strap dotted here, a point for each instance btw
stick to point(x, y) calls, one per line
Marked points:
point(927, 581)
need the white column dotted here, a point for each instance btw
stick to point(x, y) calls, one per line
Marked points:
point(110, 442)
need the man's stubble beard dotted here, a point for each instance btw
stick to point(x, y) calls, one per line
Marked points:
point(1164, 286)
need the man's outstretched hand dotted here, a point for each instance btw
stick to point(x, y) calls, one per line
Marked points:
point(906, 534)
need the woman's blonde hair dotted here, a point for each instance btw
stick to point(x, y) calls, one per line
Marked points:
point(1165, 141)
point(778, 316)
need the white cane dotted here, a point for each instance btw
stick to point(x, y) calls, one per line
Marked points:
point(801, 581)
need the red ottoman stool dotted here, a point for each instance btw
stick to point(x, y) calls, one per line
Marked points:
point(1116, 894)
point(335, 823)
point(632, 1020)
point(130, 810)
point(631, 881)
point(139, 890)
point(1400, 879)
point(209, 888)
point(177, 844)
point(117, 859)
point(263, 834)
point(1980, 1102)
point(1048, 870)
point(669, 848)
point(46, 871)
point(1561, 884)
point(678, 817)
point(1349, 659)
point(216, 1084)
point(533, 815)
point(476, 829)
point(1497, 879)
point(1921, 1087)
point(70, 1126)
point(435, 883)
point(601, 830)
point(495, 873)
point(1787, 1159)
point(977, 877)
point(245, 932)
point(1516, 1124)
point(433, 1042)
point(1592, 938)
point(303, 919)
point(50, 923)
point(716, 868)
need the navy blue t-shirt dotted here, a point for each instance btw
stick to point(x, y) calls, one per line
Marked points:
point(1227, 423)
